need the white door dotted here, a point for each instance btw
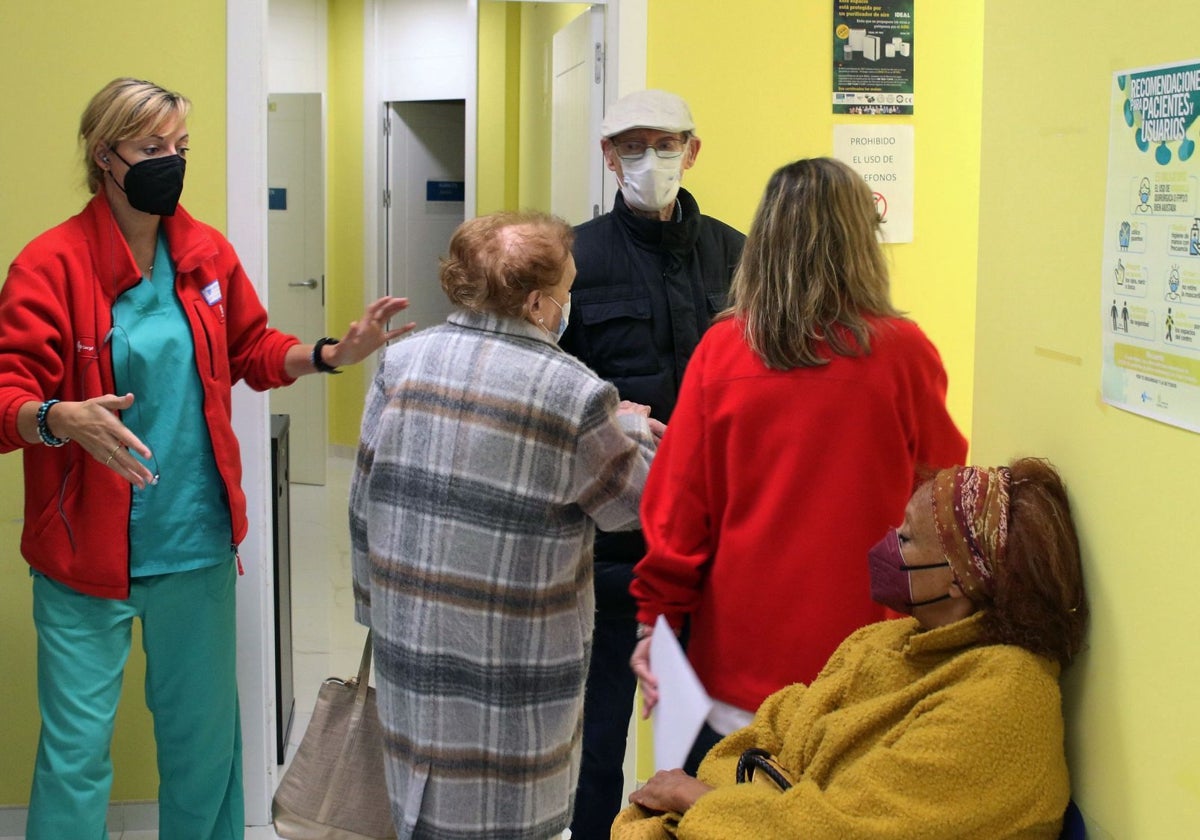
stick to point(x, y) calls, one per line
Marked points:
point(577, 106)
point(424, 201)
point(296, 265)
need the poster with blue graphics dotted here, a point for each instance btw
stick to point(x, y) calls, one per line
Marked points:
point(1150, 276)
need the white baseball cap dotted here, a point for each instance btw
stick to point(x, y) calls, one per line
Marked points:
point(655, 109)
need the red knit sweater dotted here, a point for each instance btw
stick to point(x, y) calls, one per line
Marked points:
point(769, 488)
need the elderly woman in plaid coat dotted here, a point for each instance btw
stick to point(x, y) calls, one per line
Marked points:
point(488, 457)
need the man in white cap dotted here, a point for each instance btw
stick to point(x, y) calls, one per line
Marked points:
point(652, 273)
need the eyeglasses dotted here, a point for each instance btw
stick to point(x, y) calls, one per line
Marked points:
point(666, 147)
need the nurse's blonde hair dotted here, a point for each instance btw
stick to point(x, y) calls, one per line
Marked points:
point(125, 108)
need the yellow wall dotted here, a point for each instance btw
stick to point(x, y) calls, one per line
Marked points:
point(499, 96)
point(758, 79)
point(54, 56)
point(344, 298)
point(1132, 698)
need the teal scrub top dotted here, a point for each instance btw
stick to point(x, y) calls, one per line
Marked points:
point(182, 522)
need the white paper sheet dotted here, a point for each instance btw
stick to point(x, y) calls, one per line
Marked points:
point(683, 703)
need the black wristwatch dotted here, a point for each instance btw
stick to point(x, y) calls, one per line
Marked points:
point(317, 361)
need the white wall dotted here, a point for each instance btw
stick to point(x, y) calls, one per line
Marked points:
point(298, 46)
point(428, 49)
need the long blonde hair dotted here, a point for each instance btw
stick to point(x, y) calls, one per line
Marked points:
point(812, 268)
point(125, 108)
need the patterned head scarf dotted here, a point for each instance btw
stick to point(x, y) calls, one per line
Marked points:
point(970, 513)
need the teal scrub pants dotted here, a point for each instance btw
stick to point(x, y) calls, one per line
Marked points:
point(189, 636)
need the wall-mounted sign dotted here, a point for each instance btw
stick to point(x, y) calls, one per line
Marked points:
point(445, 190)
point(1150, 277)
point(873, 56)
point(883, 155)
point(276, 198)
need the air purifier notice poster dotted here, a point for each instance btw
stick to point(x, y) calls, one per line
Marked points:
point(1150, 274)
point(873, 56)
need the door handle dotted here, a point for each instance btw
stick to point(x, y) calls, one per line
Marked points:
point(310, 283)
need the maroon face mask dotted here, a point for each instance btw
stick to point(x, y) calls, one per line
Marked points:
point(891, 584)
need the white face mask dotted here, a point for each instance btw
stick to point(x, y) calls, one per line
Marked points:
point(565, 308)
point(566, 316)
point(651, 183)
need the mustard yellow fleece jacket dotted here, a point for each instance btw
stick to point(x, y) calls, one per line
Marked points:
point(906, 733)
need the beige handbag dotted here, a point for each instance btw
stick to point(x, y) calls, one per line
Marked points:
point(334, 788)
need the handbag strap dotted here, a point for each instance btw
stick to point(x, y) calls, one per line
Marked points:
point(364, 671)
point(758, 759)
point(328, 800)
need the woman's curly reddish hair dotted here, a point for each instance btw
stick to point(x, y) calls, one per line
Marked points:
point(1039, 602)
point(495, 261)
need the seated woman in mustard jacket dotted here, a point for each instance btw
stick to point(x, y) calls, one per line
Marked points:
point(947, 724)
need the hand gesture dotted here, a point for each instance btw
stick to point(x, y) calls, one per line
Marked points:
point(95, 425)
point(369, 333)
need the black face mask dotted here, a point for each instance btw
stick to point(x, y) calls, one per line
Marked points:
point(153, 185)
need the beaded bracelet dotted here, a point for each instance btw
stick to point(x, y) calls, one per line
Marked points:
point(43, 428)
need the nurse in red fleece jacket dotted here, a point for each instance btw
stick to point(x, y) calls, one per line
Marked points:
point(808, 414)
point(122, 331)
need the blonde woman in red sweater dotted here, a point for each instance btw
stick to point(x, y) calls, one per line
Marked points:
point(809, 413)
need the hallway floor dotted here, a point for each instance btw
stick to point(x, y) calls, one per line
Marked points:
point(325, 639)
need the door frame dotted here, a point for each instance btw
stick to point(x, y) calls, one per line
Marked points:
point(309, 431)
point(565, 192)
point(625, 28)
point(399, 182)
point(246, 223)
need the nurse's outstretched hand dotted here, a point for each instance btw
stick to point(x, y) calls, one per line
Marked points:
point(369, 333)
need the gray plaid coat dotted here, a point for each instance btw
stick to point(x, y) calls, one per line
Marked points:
point(487, 458)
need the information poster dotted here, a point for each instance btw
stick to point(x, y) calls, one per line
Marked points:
point(883, 155)
point(873, 56)
point(1150, 277)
